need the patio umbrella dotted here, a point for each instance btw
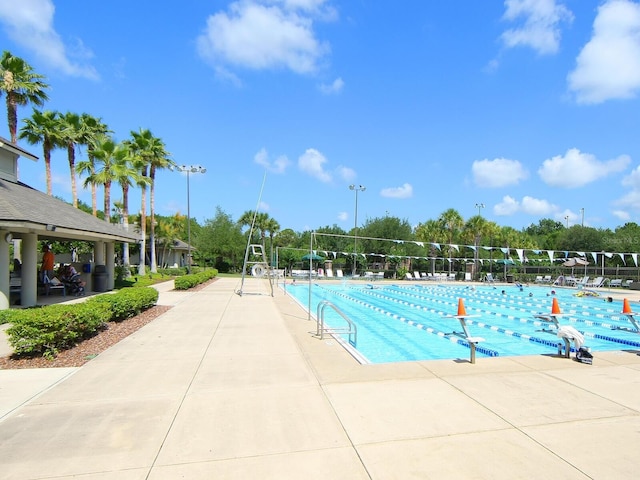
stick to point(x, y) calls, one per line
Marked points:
point(576, 261)
point(314, 257)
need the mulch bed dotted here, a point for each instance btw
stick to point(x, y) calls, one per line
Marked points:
point(90, 348)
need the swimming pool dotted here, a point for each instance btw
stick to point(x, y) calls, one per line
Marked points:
point(398, 322)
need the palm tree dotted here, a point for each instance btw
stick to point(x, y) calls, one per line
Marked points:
point(72, 133)
point(126, 174)
point(273, 227)
point(142, 146)
point(109, 154)
point(430, 231)
point(43, 127)
point(474, 229)
point(261, 224)
point(451, 222)
point(93, 128)
point(21, 86)
point(158, 160)
point(169, 230)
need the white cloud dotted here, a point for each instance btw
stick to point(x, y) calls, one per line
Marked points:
point(540, 29)
point(279, 165)
point(405, 191)
point(621, 215)
point(261, 34)
point(263, 207)
point(633, 179)
point(508, 206)
point(608, 67)
point(332, 88)
point(499, 172)
point(312, 162)
point(576, 169)
point(537, 207)
point(30, 23)
point(631, 199)
point(345, 173)
point(343, 216)
point(528, 205)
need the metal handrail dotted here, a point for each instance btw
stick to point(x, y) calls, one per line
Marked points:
point(352, 329)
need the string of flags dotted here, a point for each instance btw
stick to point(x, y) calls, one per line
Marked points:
point(520, 253)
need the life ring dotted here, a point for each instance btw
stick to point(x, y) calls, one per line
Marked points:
point(257, 271)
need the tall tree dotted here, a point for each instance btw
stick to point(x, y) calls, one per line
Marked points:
point(93, 129)
point(22, 86)
point(158, 160)
point(451, 222)
point(127, 175)
point(72, 133)
point(44, 128)
point(431, 231)
point(108, 154)
point(149, 153)
point(473, 230)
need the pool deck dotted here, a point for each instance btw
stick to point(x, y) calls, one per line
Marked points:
point(228, 386)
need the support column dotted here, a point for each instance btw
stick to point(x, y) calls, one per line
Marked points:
point(30, 268)
point(98, 253)
point(110, 264)
point(4, 271)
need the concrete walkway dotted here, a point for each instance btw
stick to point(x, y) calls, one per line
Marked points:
point(225, 387)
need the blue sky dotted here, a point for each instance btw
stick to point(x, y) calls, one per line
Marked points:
point(528, 107)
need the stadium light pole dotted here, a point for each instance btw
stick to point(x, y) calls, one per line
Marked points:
point(582, 212)
point(356, 188)
point(479, 206)
point(189, 169)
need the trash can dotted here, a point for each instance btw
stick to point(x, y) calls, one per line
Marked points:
point(509, 278)
point(100, 278)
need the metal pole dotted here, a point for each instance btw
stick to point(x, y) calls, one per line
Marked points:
point(188, 227)
point(355, 238)
point(189, 170)
point(358, 188)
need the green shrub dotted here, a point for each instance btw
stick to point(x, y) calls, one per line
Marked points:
point(128, 302)
point(186, 282)
point(47, 330)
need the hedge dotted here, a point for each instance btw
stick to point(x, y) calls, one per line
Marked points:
point(47, 330)
point(186, 282)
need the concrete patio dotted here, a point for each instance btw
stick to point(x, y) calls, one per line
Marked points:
point(227, 386)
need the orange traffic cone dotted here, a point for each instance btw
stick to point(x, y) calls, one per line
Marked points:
point(555, 308)
point(461, 310)
point(626, 308)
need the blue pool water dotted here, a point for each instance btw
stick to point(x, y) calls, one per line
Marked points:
point(398, 322)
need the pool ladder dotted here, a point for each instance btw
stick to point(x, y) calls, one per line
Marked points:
point(350, 329)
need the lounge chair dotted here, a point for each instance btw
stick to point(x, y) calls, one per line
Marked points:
point(489, 278)
point(583, 282)
point(451, 277)
point(368, 276)
point(560, 281)
point(416, 276)
point(538, 279)
point(378, 276)
point(616, 282)
point(546, 279)
point(339, 273)
point(597, 282)
point(408, 276)
point(329, 273)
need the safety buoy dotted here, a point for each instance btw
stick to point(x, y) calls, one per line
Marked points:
point(257, 271)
